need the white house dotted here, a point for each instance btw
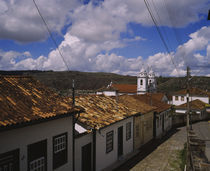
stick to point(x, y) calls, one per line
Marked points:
point(36, 127)
point(109, 133)
point(180, 97)
point(197, 107)
point(146, 82)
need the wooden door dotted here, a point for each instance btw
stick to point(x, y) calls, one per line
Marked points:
point(86, 157)
point(120, 141)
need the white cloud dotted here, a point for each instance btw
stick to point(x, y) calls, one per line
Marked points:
point(20, 21)
point(95, 31)
point(80, 55)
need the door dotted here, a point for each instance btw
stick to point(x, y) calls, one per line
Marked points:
point(37, 156)
point(86, 157)
point(120, 141)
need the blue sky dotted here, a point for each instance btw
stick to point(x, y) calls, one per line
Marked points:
point(110, 36)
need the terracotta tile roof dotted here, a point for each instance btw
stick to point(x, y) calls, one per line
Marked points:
point(101, 111)
point(139, 106)
point(125, 88)
point(24, 99)
point(193, 91)
point(158, 96)
point(195, 105)
point(150, 100)
point(108, 88)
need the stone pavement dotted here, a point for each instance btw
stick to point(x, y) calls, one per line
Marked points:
point(164, 157)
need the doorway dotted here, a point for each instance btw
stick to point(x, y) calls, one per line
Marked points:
point(86, 157)
point(120, 141)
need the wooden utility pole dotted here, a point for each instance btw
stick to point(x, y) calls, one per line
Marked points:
point(188, 119)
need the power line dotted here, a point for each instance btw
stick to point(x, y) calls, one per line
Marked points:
point(160, 34)
point(161, 23)
point(177, 36)
point(50, 33)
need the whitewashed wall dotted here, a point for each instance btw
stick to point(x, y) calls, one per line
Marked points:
point(21, 137)
point(179, 102)
point(79, 143)
point(104, 159)
point(109, 93)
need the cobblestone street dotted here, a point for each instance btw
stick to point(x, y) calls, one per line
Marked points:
point(164, 157)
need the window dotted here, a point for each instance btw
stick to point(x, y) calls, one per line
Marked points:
point(38, 164)
point(176, 98)
point(137, 130)
point(182, 98)
point(59, 150)
point(9, 161)
point(59, 144)
point(37, 156)
point(141, 82)
point(150, 82)
point(109, 141)
point(128, 131)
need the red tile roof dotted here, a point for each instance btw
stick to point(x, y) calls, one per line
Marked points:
point(193, 91)
point(125, 88)
point(195, 105)
point(150, 100)
point(24, 99)
point(139, 106)
point(101, 111)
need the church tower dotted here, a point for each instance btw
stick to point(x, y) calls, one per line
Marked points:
point(151, 81)
point(142, 82)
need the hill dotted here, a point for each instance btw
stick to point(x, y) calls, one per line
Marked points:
point(90, 81)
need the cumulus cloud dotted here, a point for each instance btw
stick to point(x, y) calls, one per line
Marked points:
point(80, 55)
point(20, 21)
point(95, 30)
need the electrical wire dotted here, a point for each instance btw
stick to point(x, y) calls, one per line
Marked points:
point(177, 36)
point(51, 35)
point(160, 34)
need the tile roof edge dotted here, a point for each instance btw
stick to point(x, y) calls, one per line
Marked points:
point(36, 121)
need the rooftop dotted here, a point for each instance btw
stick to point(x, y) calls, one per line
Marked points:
point(151, 100)
point(101, 111)
point(125, 88)
point(195, 104)
point(193, 91)
point(24, 99)
point(139, 106)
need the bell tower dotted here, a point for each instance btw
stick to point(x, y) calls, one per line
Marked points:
point(151, 81)
point(142, 82)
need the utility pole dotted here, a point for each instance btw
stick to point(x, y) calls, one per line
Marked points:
point(187, 120)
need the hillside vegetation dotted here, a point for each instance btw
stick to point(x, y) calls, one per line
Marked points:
point(62, 81)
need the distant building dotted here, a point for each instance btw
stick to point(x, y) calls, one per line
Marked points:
point(180, 97)
point(36, 126)
point(197, 109)
point(146, 82)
